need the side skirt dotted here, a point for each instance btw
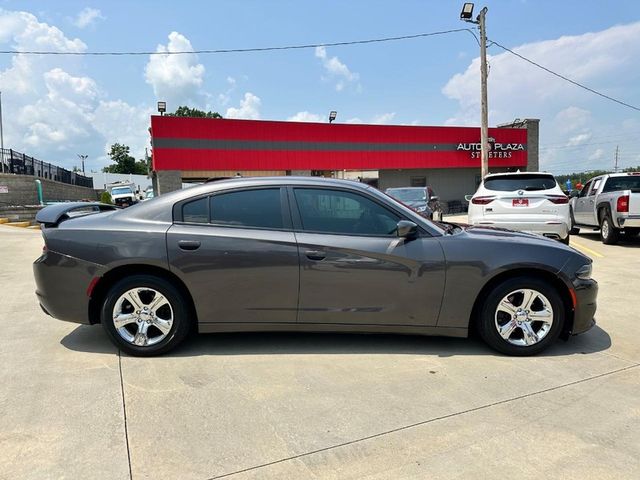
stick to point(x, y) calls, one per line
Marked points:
point(331, 327)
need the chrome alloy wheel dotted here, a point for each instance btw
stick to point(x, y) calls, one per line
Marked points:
point(142, 316)
point(524, 317)
point(605, 228)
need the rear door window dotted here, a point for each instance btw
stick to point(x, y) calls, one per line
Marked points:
point(196, 211)
point(523, 181)
point(259, 208)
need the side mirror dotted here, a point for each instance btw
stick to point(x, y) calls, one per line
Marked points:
point(468, 197)
point(574, 194)
point(434, 198)
point(407, 229)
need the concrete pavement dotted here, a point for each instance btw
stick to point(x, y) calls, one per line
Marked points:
point(247, 406)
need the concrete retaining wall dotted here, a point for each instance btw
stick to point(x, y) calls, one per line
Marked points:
point(21, 190)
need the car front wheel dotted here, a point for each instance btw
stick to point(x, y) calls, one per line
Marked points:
point(145, 315)
point(521, 316)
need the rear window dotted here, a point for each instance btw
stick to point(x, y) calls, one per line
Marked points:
point(632, 182)
point(523, 181)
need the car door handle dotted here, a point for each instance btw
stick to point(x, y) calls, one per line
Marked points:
point(188, 244)
point(315, 254)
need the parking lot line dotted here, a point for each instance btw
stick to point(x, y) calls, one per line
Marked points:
point(586, 249)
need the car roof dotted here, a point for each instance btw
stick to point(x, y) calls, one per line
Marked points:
point(160, 207)
point(517, 173)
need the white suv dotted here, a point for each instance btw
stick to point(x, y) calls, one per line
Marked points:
point(527, 201)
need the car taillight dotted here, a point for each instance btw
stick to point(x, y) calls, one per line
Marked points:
point(558, 199)
point(482, 200)
point(623, 204)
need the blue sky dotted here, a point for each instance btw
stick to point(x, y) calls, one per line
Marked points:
point(56, 107)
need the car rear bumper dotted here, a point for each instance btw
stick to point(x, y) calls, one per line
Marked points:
point(61, 286)
point(629, 221)
point(586, 304)
point(547, 228)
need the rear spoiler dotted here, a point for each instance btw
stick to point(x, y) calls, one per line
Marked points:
point(53, 215)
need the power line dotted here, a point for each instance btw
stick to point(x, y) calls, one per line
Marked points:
point(582, 145)
point(565, 78)
point(242, 50)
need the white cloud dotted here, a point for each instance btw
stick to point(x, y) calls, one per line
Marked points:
point(249, 108)
point(225, 97)
point(572, 118)
point(55, 111)
point(598, 154)
point(62, 116)
point(117, 121)
point(305, 117)
point(604, 60)
point(383, 118)
point(176, 79)
point(87, 16)
point(336, 69)
point(578, 139)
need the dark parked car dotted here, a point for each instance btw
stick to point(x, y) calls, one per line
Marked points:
point(422, 199)
point(303, 254)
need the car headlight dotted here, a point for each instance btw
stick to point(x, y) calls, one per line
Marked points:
point(421, 209)
point(584, 272)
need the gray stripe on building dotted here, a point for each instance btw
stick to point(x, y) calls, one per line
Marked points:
point(215, 144)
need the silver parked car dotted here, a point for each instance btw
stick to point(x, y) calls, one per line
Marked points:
point(303, 254)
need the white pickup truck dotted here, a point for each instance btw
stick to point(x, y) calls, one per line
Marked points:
point(608, 202)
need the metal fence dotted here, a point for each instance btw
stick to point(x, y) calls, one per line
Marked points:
point(21, 164)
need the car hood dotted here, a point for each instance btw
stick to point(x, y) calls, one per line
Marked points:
point(494, 233)
point(415, 204)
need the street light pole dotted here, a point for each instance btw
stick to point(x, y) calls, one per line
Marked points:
point(82, 158)
point(484, 126)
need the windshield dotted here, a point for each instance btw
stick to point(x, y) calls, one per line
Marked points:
point(121, 191)
point(632, 182)
point(407, 194)
point(521, 181)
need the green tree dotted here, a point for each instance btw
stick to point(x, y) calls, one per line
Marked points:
point(184, 111)
point(105, 197)
point(124, 162)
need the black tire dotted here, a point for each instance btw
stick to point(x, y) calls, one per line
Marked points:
point(486, 322)
point(574, 230)
point(608, 233)
point(181, 323)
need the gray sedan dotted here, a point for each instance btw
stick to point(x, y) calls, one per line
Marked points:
point(303, 254)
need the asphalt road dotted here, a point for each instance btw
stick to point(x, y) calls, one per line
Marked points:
point(261, 406)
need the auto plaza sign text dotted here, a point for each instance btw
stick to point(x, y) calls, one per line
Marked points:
point(496, 150)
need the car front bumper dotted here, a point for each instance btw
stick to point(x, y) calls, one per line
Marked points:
point(586, 304)
point(62, 284)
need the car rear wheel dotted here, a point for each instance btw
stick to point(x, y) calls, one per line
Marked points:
point(608, 233)
point(145, 315)
point(521, 316)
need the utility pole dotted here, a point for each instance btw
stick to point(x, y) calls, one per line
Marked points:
point(484, 126)
point(467, 16)
point(615, 168)
point(1, 136)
